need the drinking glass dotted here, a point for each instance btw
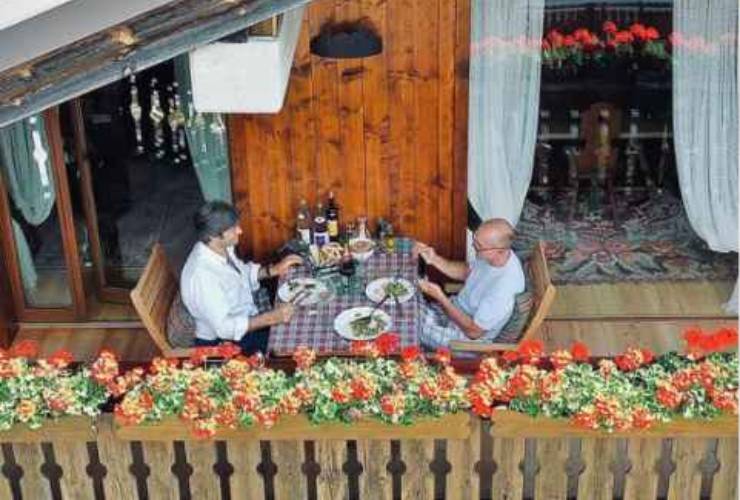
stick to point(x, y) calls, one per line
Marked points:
point(347, 269)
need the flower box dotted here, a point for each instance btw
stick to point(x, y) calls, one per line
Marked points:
point(510, 424)
point(79, 429)
point(298, 427)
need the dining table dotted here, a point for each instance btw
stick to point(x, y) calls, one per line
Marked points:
point(312, 326)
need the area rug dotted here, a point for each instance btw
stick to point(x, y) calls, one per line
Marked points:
point(652, 241)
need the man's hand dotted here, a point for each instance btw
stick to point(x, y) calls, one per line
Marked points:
point(432, 290)
point(425, 252)
point(284, 265)
point(282, 313)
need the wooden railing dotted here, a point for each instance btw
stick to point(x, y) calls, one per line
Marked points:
point(460, 457)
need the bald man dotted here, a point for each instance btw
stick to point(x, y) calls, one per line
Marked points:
point(486, 301)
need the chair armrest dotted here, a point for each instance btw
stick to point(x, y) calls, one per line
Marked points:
point(471, 346)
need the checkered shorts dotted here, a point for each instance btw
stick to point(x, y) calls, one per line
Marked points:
point(436, 329)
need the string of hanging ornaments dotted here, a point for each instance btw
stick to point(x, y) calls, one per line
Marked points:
point(168, 116)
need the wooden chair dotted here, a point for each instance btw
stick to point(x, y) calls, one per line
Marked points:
point(596, 163)
point(543, 295)
point(152, 298)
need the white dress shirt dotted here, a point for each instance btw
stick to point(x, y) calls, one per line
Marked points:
point(218, 294)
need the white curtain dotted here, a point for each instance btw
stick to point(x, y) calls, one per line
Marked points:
point(504, 103)
point(705, 118)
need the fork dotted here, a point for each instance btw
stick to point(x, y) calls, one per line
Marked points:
point(370, 316)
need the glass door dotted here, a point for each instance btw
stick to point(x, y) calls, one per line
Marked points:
point(38, 223)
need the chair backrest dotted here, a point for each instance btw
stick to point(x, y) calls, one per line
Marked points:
point(543, 291)
point(152, 297)
point(600, 114)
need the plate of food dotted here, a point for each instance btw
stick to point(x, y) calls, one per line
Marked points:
point(398, 290)
point(304, 291)
point(327, 255)
point(357, 324)
point(361, 248)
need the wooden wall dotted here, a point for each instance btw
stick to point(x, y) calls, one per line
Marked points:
point(387, 133)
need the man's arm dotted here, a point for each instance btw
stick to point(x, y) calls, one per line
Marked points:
point(452, 269)
point(281, 314)
point(456, 270)
point(467, 324)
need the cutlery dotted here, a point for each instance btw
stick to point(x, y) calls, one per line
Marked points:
point(297, 298)
point(370, 316)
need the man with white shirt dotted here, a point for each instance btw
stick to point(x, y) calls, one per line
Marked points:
point(218, 288)
point(487, 299)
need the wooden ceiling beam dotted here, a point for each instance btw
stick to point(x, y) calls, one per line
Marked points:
point(109, 55)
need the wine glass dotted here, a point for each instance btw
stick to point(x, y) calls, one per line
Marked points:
point(347, 269)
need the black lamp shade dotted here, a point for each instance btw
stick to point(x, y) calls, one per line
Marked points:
point(345, 42)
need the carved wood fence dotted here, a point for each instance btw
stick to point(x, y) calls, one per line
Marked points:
point(76, 462)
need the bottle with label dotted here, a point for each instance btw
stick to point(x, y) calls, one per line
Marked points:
point(332, 217)
point(320, 233)
point(303, 223)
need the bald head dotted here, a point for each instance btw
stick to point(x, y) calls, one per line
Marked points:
point(496, 233)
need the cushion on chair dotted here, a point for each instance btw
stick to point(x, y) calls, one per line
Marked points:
point(180, 324)
point(514, 328)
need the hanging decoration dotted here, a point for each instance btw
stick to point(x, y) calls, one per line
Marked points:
point(157, 115)
point(135, 110)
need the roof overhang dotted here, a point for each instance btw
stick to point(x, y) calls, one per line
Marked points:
point(127, 46)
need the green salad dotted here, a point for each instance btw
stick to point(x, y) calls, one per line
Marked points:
point(367, 326)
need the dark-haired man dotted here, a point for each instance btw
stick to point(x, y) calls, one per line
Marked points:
point(218, 288)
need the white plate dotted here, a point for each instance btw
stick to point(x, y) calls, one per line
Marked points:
point(317, 291)
point(375, 290)
point(343, 320)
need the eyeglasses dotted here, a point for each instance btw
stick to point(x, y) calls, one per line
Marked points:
point(478, 248)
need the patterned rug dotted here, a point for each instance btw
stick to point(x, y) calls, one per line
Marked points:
point(653, 241)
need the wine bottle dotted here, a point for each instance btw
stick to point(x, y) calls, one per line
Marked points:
point(303, 223)
point(332, 217)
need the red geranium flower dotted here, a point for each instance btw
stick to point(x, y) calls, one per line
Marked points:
point(387, 343)
point(530, 350)
point(25, 349)
point(510, 356)
point(443, 356)
point(410, 353)
point(623, 37)
point(651, 33)
point(61, 358)
point(580, 351)
point(609, 27)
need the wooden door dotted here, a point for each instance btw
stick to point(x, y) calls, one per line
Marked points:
point(105, 290)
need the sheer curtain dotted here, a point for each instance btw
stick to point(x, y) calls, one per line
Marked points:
point(207, 140)
point(504, 102)
point(705, 119)
point(26, 168)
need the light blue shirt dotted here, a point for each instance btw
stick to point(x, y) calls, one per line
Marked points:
point(217, 294)
point(489, 293)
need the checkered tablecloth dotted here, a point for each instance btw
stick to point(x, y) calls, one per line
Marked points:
point(313, 326)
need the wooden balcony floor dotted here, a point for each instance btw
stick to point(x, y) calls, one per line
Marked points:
point(608, 318)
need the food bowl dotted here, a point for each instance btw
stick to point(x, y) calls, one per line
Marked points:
point(361, 248)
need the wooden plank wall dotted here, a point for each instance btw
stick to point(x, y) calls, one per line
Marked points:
point(483, 466)
point(386, 133)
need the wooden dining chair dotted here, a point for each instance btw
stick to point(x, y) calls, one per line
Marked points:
point(152, 298)
point(543, 295)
